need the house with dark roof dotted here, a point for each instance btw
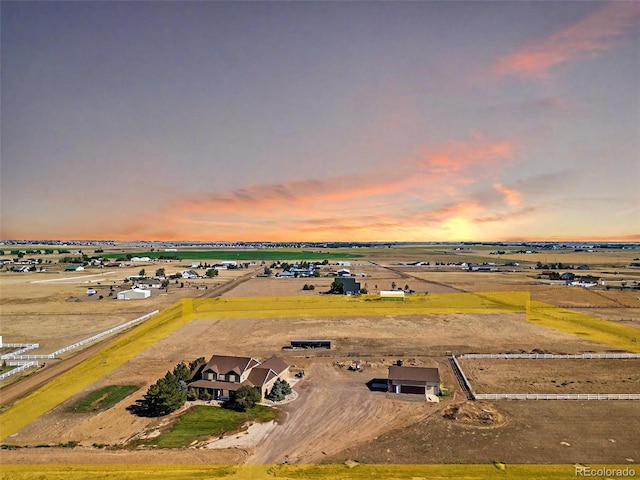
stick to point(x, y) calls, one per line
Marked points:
point(416, 380)
point(223, 374)
point(349, 285)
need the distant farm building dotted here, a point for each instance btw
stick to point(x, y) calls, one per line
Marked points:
point(190, 274)
point(149, 283)
point(349, 285)
point(414, 380)
point(392, 294)
point(134, 294)
point(587, 281)
point(311, 344)
point(343, 272)
point(222, 375)
point(73, 268)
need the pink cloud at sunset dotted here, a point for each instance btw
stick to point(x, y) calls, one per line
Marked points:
point(588, 38)
point(454, 163)
point(511, 196)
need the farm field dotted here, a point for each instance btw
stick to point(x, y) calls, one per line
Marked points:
point(552, 376)
point(258, 316)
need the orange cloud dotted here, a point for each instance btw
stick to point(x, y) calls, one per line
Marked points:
point(434, 171)
point(457, 156)
point(588, 38)
point(511, 196)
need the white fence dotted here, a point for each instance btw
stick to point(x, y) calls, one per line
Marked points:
point(463, 376)
point(18, 369)
point(102, 334)
point(23, 347)
point(549, 355)
point(20, 359)
point(557, 396)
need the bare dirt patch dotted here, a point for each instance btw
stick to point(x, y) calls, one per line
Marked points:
point(553, 376)
point(535, 432)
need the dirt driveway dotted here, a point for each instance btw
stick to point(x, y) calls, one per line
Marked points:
point(335, 410)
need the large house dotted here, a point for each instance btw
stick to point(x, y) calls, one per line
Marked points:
point(223, 374)
point(418, 380)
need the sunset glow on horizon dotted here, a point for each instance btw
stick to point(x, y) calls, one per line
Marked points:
point(320, 121)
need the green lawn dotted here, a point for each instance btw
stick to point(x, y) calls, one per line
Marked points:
point(103, 398)
point(239, 255)
point(203, 421)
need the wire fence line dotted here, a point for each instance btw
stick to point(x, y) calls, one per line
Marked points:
point(549, 355)
point(26, 361)
point(557, 396)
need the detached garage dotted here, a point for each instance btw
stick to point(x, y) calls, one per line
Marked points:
point(414, 380)
point(134, 294)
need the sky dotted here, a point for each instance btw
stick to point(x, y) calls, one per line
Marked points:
point(320, 121)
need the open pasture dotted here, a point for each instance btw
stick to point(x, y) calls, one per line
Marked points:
point(553, 375)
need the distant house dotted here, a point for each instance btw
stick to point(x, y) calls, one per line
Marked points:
point(222, 375)
point(190, 274)
point(134, 294)
point(73, 268)
point(349, 285)
point(115, 264)
point(285, 274)
point(149, 283)
point(634, 265)
point(587, 281)
point(343, 272)
point(567, 276)
point(583, 267)
point(196, 265)
point(414, 380)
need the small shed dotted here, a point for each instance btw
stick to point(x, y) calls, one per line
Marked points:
point(134, 294)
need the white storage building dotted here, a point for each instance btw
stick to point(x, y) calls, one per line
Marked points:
point(134, 294)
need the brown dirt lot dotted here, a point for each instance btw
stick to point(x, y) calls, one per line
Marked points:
point(561, 431)
point(552, 376)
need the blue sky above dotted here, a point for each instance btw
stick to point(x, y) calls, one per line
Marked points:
point(320, 120)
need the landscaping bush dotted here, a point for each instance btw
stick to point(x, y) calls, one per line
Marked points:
point(243, 399)
point(280, 390)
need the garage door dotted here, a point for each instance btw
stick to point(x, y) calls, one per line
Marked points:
point(411, 389)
